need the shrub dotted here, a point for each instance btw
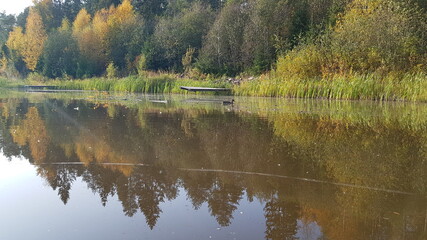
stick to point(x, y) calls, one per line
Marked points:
point(111, 71)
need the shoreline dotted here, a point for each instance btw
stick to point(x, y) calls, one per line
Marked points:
point(409, 87)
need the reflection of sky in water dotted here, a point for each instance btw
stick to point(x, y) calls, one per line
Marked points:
point(30, 209)
point(308, 231)
point(13, 171)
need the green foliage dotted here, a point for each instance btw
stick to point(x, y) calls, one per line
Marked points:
point(36, 78)
point(60, 55)
point(379, 35)
point(173, 35)
point(7, 23)
point(96, 5)
point(124, 37)
point(377, 50)
point(142, 64)
point(262, 39)
point(248, 35)
point(221, 53)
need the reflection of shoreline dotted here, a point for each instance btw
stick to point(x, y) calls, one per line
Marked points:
point(249, 173)
point(219, 156)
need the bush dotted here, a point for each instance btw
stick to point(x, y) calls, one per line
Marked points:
point(303, 62)
point(379, 35)
point(111, 71)
point(35, 77)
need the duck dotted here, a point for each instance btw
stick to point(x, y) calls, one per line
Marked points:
point(228, 102)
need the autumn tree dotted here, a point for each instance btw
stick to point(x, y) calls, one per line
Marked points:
point(91, 50)
point(15, 44)
point(34, 39)
point(125, 36)
point(46, 12)
point(81, 22)
point(16, 40)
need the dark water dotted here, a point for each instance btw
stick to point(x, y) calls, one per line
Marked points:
point(100, 166)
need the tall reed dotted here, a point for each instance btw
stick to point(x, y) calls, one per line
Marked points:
point(408, 87)
point(136, 84)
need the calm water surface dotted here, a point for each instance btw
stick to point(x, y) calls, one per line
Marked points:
point(101, 166)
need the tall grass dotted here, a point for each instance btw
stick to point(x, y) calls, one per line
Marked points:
point(409, 87)
point(6, 82)
point(135, 84)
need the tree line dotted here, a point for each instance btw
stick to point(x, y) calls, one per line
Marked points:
point(80, 39)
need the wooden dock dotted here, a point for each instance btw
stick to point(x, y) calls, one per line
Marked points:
point(40, 87)
point(205, 89)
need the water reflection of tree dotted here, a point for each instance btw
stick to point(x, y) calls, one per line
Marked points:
point(61, 178)
point(148, 187)
point(223, 201)
point(281, 219)
point(195, 139)
point(32, 131)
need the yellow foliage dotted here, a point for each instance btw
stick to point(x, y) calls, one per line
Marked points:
point(99, 23)
point(90, 36)
point(65, 25)
point(35, 37)
point(3, 64)
point(81, 22)
point(111, 70)
point(123, 14)
point(301, 63)
point(16, 40)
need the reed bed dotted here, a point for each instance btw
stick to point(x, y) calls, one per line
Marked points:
point(409, 87)
point(137, 84)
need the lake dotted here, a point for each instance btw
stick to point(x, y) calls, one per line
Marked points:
point(88, 165)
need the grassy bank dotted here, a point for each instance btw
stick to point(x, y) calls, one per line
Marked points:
point(407, 87)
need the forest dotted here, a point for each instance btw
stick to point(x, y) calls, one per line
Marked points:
point(377, 45)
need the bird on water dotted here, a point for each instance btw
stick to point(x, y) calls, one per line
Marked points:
point(228, 102)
